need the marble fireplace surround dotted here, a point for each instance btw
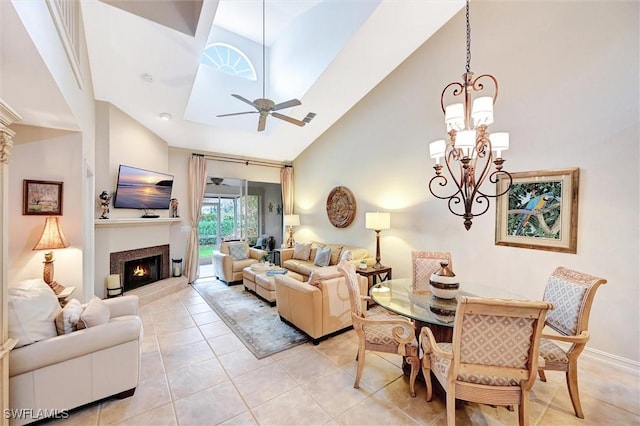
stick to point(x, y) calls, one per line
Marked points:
point(117, 259)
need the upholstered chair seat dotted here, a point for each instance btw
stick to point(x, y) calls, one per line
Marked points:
point(379, 332)
point(572, 292)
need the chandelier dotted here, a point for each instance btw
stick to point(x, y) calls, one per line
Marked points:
point(470, 149)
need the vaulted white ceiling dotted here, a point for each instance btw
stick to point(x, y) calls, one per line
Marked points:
point(327, 53)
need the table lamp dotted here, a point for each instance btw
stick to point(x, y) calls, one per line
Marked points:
point(291, 220)
point(377, 221)
point(51, 238)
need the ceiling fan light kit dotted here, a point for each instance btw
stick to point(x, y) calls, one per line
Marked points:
point(265, 106)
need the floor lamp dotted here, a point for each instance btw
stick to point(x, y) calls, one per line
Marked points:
point(377, 221)
point(51, 238)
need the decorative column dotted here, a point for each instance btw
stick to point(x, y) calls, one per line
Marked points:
point(7, 116)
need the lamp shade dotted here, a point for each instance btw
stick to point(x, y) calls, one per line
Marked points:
point(291, 220)
point(377, 221)
point(499, 142)
point(482, 111)
point(52, 236)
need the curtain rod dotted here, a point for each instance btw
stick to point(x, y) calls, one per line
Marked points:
point(263, 163)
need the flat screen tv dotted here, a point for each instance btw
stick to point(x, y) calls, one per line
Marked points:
point(142, 189)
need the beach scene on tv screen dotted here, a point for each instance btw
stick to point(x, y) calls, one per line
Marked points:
point(143, 189)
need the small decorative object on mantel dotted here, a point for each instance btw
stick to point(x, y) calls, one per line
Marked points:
point(173, 211)
point(443, 283)
point(341, 207)
point(105, 199)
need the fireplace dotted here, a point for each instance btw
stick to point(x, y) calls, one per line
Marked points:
point(140, 267)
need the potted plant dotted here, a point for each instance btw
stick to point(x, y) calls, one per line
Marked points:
point(265, 258)
point(363, 264)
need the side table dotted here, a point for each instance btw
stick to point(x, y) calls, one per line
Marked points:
point(373, 275)
point(276, 256)
point(382, 274)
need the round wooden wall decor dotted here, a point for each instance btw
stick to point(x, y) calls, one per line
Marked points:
point(341, 207)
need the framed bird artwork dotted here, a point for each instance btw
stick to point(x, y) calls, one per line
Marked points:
point(540, 211)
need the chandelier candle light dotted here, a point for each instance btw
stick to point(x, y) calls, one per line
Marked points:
point(470, 149)
point(377, 221)
point(291, 220)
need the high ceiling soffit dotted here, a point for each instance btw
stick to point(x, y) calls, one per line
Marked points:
point(145, 60)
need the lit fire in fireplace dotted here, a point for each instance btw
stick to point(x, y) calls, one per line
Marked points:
point(139, 271)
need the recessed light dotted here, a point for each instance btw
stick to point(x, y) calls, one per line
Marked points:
point(147, 77)
point(165, 116)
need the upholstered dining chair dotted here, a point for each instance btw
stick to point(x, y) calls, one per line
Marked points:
point(572, 293)
point(384, 333)
point(493, 357)
point(425, 263)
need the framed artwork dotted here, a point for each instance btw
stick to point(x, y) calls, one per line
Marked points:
point(540, 211)
point(41, 197)
point(341, 207)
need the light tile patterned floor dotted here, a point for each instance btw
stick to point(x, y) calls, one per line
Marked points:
point(196, 372)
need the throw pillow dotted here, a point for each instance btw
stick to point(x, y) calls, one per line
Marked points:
point(346, 255)
point(67, 319)
point(323, 256)
point(335, 255)
point(314, 249)
point(327, 273)
point(301, 251)
point(95, 313)
point(238, 251)
point(33, 307)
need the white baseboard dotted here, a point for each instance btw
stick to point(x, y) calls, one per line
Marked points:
point(628, 365)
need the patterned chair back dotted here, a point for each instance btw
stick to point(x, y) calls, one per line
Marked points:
point(349, 271)
point(572, 294)
point(424, 264)
point(495, 342)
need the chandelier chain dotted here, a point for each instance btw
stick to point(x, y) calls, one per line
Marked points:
point(468, 67)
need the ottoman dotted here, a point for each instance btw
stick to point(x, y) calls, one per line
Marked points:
point(249, 275)
point(266, 285)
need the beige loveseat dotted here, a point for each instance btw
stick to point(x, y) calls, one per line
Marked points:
point(51, 376)
point(320, 306)
point(232, 258)
point(291, 260)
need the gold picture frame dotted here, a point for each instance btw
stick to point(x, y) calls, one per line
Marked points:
point(540, 211)
point(41, 197)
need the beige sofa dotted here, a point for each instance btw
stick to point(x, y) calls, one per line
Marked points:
point(228, 263)
point(319, 307)
point(70, 370)
point(304, 267)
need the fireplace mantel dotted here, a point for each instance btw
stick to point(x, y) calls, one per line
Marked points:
point(135, 221)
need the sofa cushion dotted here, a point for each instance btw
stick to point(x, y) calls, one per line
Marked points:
point(238, 250)
point(33, 307)
point(67, 319)
point(335, 255)
point(323, 256)
point(95, 313)
point(301, 251)
point(346, 255)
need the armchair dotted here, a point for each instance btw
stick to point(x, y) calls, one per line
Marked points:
point(572, 292)
point(232, 258)
point(493, 357)
point(390, 334)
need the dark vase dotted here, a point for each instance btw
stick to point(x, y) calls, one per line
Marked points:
point(272, 243)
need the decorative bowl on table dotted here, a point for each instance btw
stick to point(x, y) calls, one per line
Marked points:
point(443, 283)
point(261, 267)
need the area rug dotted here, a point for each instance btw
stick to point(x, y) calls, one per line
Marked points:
point(253, 320)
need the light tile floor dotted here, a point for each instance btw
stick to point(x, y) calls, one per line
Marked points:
point(196, 372)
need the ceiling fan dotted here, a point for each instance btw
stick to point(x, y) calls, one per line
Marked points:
point(265, 106)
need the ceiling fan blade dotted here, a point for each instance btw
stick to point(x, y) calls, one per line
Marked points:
point(287, 104)
point(262, 122)
point(237, 113)
point(289, 119)
point(245, 100)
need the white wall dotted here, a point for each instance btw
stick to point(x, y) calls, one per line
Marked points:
point(45, 154)
point(569, 98)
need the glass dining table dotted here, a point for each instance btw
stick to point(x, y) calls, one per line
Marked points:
point(424, 308)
